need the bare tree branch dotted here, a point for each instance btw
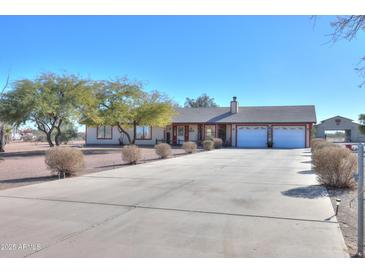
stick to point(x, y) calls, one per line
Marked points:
point(347, 27)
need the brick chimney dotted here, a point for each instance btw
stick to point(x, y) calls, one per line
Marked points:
point(234, 105)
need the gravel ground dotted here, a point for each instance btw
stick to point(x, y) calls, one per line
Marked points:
point(23, 162)
point(347, 216)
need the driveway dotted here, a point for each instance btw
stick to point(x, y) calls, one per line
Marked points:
point(223, 203)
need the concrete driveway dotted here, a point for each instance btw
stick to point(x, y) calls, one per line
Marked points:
point(223, 203)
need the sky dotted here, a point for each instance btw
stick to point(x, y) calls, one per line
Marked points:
point(263, 60)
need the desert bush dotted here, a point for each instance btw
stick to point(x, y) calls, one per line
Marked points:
point(28, 138)
point(218, 142)
point(320, 145)
point(208, 144)
point(131, 154)
point(65, 160)
point(163, 150)
point(335, 166)
point(315, 142)
point(189, 147)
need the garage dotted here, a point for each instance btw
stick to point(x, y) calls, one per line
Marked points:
point(289, 137)
point(252, 136)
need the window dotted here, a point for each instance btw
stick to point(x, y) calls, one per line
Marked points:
point(104, 132)
point(210, 131)
point(144, 133)
point(180, 131)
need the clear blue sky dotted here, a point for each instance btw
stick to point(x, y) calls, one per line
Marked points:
point(263, 60)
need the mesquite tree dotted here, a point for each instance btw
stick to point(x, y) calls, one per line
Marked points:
point(47, 101)
point(123, 104)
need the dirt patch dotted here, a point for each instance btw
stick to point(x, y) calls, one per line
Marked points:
point(23, 162)
point(347, 216)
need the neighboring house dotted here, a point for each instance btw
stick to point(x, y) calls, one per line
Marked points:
point(339, 123)
point(284, 126)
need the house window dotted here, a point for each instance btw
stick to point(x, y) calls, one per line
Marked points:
point(180, 131)
point(104, 132)
point(144, 133)
point(210, 131)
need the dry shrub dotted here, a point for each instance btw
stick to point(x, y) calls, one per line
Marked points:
point(163, 150)
point(317, 142)
point(189, 147)
point(317, 146)
point(208, 145)
point(335, 167)
point(131, 154)
point(65, 161)
point(218, 143)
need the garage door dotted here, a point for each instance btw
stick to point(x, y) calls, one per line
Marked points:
point(289, 137)
point(250, 136)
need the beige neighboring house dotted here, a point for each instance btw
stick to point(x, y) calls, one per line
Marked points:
point(251, 127)
point(340, 123)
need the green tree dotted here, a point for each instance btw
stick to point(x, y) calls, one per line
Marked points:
point(202, 101)
point(48, 102)
point(362, 123)
point(124, 104)
point(69, 132)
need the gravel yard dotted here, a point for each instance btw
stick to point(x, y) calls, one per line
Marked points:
point(347, 216)
point(23, 162)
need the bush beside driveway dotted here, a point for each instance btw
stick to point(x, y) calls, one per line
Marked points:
point(23, 163)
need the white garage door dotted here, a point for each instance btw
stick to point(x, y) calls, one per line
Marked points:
point(251, 136)
point(289, 137)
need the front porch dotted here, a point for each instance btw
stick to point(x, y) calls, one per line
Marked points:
point(177, 134)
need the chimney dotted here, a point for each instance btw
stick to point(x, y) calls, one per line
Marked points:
point(234, 105)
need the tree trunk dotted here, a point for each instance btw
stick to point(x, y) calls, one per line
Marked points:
point(2, 138)
point(57, 138)
point(125, 132)
point(49, 139)
point(134, 132)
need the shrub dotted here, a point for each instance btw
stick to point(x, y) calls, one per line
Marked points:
point(208, 144)
point(320, 145)
point(65, 160)
point(315, 142)
point(335, 166)
point(218, 143)
point(28, 138)
point(189, 147)
point(163, 150)
point(131, 154)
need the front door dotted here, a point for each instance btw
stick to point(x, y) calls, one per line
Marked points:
point(222, 133)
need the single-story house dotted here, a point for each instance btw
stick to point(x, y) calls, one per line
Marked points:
point(339, 123)
point(256, 127)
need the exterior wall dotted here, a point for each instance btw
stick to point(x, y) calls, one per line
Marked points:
point(157, 133)
point(160, 134)
point(306, 125)
point(228, 134)
point(340, 124)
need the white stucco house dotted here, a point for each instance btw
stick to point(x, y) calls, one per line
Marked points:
point(281, 126)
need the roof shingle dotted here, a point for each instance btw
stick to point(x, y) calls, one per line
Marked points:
point(264, 114)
